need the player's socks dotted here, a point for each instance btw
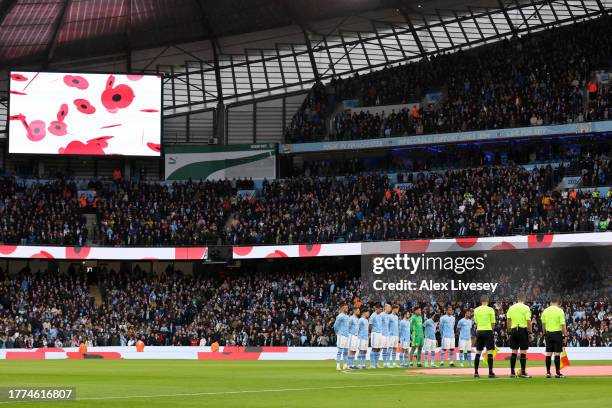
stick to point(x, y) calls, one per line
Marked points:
point(476, 363)
point(490, 363)
point(524, 364)
point(401, 358)
point(345, 357)
point(451, 359)
point(512, 363)
point(442, 353)
point(393, 356)
point(469, 358)
point(548, 361)
point(351, 361)
point(339, 356)
point(558, 364)
point(373, 359)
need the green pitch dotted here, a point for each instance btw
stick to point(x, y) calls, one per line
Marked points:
point(181, 383)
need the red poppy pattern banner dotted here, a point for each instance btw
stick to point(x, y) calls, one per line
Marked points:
point(85, 114)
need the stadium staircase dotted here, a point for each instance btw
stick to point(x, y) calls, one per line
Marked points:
point(95, 292)
point(92, 227)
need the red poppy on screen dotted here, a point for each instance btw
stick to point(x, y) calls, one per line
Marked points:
point(18, 117)
point(18, 77)
point(57, 128)
point(76, 81)
point(84, 106)
point(62, 112)
point(115, 98)
point(154, 146)
point(93, 146)
point(36, 130)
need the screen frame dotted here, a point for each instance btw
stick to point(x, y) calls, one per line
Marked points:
point(84, 72)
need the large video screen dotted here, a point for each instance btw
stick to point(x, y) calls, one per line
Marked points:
point(85, 114)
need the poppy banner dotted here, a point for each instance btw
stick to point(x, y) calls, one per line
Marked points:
point(85, 114)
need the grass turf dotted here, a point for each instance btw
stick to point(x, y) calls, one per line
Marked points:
point(189, 383)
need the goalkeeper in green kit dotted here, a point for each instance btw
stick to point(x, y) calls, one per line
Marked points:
point(416, 331)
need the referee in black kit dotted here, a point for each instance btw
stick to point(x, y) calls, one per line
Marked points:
point(519, 329)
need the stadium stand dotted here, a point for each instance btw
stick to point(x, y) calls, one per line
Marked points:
point(491, 200)
point(539, 79)
point(277, 307)
point(43, 212)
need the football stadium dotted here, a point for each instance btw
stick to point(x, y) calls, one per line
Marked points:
point(290, 203)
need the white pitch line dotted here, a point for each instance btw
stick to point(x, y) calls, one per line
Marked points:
point(197, 394)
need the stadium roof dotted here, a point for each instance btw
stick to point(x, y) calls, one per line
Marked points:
point(290, 43)
point(38, 30)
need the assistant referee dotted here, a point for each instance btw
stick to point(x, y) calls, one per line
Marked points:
point(484, 318)
point(519, 329)
point(553, 325)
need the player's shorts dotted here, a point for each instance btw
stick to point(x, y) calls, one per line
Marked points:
point(342, 342)
point(378, 341)
point(519, 338)
point(405, 344)
point(430, 345)
point(383, 342)
point(554, 342)
point(417, 341)
point(363, 344)
point(448, 343)
point(465, 345)
point(485, 339)
point(392, 341)
point(353, 343)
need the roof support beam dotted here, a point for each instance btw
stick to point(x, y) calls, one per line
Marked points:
point(287, 9)
point(313, 62)
point(520, 9)
point(536, 8)
point(601, 7)
point(216, 48)
point(450, 39)
point(413, 31)
point(56, 28)
point(505, 13)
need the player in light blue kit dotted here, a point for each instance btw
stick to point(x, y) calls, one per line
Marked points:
point(341, 328)
point(384, 321)
point(464, 327)
point(353, 337)
point(430, 339)
point(363, 335)
point(377, 339)
point(447, 332)
point(393, 335)
point(404, 338)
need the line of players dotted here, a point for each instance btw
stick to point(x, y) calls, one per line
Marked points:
point(396, 338)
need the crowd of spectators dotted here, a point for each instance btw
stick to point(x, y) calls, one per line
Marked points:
point(480, 201)
point(153, 214)
point(46, 212)
point(277, 307)
point(495, 199)
point(538, 79)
